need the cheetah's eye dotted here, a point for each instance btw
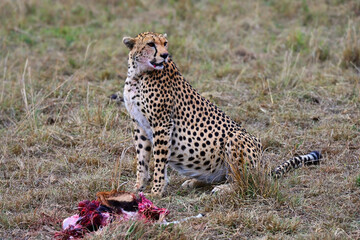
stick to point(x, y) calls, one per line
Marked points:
point(151, 44)
point(165, 43)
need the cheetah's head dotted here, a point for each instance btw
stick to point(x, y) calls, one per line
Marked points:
point(148, 50)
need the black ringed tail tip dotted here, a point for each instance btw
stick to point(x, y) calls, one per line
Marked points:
point(313, 158)
point(316, 154)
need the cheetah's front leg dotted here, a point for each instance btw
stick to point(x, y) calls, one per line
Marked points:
point(161, 150)
point(143, 152)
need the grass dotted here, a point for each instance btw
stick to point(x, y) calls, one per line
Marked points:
point(287, 70)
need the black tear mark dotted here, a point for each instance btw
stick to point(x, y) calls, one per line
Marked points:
point(154, 46)
point(155, 50)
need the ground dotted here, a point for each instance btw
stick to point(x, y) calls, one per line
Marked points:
point(289, 71)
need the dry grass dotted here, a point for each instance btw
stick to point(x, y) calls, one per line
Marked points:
point(247, 182)
point(288, 70)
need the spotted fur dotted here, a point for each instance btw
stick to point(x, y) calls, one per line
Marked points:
point(179, 126)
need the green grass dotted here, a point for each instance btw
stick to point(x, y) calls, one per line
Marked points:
point(357, 181)
point(287, 70)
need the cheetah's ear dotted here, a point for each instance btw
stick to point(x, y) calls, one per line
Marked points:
point(129, 42)
point(165, 35)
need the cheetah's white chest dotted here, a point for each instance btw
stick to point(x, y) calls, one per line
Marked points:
point(131, 99)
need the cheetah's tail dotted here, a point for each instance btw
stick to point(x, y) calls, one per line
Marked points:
point(312, 158)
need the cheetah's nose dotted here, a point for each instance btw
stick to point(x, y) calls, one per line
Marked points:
point(164, 55)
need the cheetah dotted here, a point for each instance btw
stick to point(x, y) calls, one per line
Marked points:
point(181, 128)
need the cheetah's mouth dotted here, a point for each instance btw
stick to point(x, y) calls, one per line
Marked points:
point(156, 65)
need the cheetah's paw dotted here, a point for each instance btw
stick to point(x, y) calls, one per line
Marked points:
point(192, 183)
point(221, 189)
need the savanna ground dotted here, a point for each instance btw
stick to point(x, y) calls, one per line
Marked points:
point(287, 70)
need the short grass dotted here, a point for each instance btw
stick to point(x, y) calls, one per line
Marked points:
point(289, 71)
